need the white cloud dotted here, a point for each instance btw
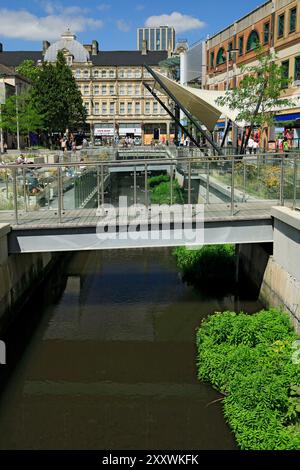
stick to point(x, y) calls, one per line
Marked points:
point(104, 7)
point(75, 10)
point(140, 7)
point(123, 26)
point(179, 21)
point(52, 8)
point(20, 24)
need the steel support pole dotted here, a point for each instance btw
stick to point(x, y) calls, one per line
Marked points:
point(185, 111)
point(295, 182)
point(98, 187)
point(171, 184)
point(134, 186)
point(102, 185)
point(59, 195)
point(173, 116)
point(282, 182)
point(207, 183)
point(15, 195)
point(24, 189)
point(232, 188)
point(244, 181)
point(189, 182)
point(146, 185)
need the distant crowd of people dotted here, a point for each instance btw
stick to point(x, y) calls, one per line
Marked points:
point(284, 142)
point(69, 143)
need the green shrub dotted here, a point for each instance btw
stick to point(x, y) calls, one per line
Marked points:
point(156, 180)
point(249, 359)
point(161, 192)
point(212, 266)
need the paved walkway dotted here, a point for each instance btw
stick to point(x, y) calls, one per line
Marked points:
point(49, 218)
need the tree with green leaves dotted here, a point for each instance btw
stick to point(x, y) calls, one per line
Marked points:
point(29, 70)
point(19, 113)
point(55, 94)
point(259, 95)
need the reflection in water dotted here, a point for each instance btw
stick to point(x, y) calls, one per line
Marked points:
point(112, 363)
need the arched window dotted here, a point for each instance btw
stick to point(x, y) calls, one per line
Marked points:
point(253, 41)
point(221, 56)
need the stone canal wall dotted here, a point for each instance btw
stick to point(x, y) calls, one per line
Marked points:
point(19, 277)
point(277, 275)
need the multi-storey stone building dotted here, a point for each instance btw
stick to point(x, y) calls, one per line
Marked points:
point(276, 26)
point(111, 84)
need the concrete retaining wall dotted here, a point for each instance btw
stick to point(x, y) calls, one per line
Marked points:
point(19, 276)
point(278, 276)
point(280, 289)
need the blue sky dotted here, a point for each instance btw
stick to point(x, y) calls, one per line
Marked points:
point(113, 23)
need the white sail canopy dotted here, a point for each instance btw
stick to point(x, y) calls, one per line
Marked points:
point(200, 103)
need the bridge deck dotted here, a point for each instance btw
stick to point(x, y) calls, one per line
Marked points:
point(89, 217)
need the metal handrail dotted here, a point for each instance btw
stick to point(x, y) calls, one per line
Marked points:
point(204, 167)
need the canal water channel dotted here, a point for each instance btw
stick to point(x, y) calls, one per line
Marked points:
point(104, 358)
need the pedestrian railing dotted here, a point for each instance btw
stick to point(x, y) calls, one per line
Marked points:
point(225, 185)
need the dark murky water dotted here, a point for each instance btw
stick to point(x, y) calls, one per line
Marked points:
point(111, 364)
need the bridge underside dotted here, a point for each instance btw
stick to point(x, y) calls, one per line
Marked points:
point(139, 235)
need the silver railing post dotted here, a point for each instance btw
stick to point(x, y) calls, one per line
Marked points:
point(295, 182)
point(102, 184)
point(244, 181)
point(15, 194)
point(171, 184)
point(232, 187)
point(281, 203)
point(189, 182)
point(24, 189)
point(59, 195)
point(146, 185)
point(134, 186)
point(98, 187)
point(207, 183)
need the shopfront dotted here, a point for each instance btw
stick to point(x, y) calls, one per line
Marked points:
point(288, 123)
point(103, 133)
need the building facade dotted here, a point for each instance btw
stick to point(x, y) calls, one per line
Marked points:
point(161, 38)
point(276, 26)
point(111, 84)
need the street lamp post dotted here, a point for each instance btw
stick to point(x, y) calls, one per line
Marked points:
point(2, 101)
point(17, 116)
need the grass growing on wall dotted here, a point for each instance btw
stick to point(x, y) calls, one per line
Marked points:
point(160, 188)
point(249, 360)
point(208, 266)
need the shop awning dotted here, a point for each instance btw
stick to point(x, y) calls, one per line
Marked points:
point(200, 103)
point(287, 117)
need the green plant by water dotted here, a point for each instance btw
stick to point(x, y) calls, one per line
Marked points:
point(210, 267)
point(248, 358)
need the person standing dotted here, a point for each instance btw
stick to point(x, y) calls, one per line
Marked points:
point(286, 146)
point(255, 146)
point(250, 144)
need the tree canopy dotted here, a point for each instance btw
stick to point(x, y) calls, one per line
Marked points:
point(259, 94)
point(55, 94)
point(19, 112)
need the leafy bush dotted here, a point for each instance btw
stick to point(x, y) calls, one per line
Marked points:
point(156, 180)
point(160, 187)
point(249, 359)
point(212, 266)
